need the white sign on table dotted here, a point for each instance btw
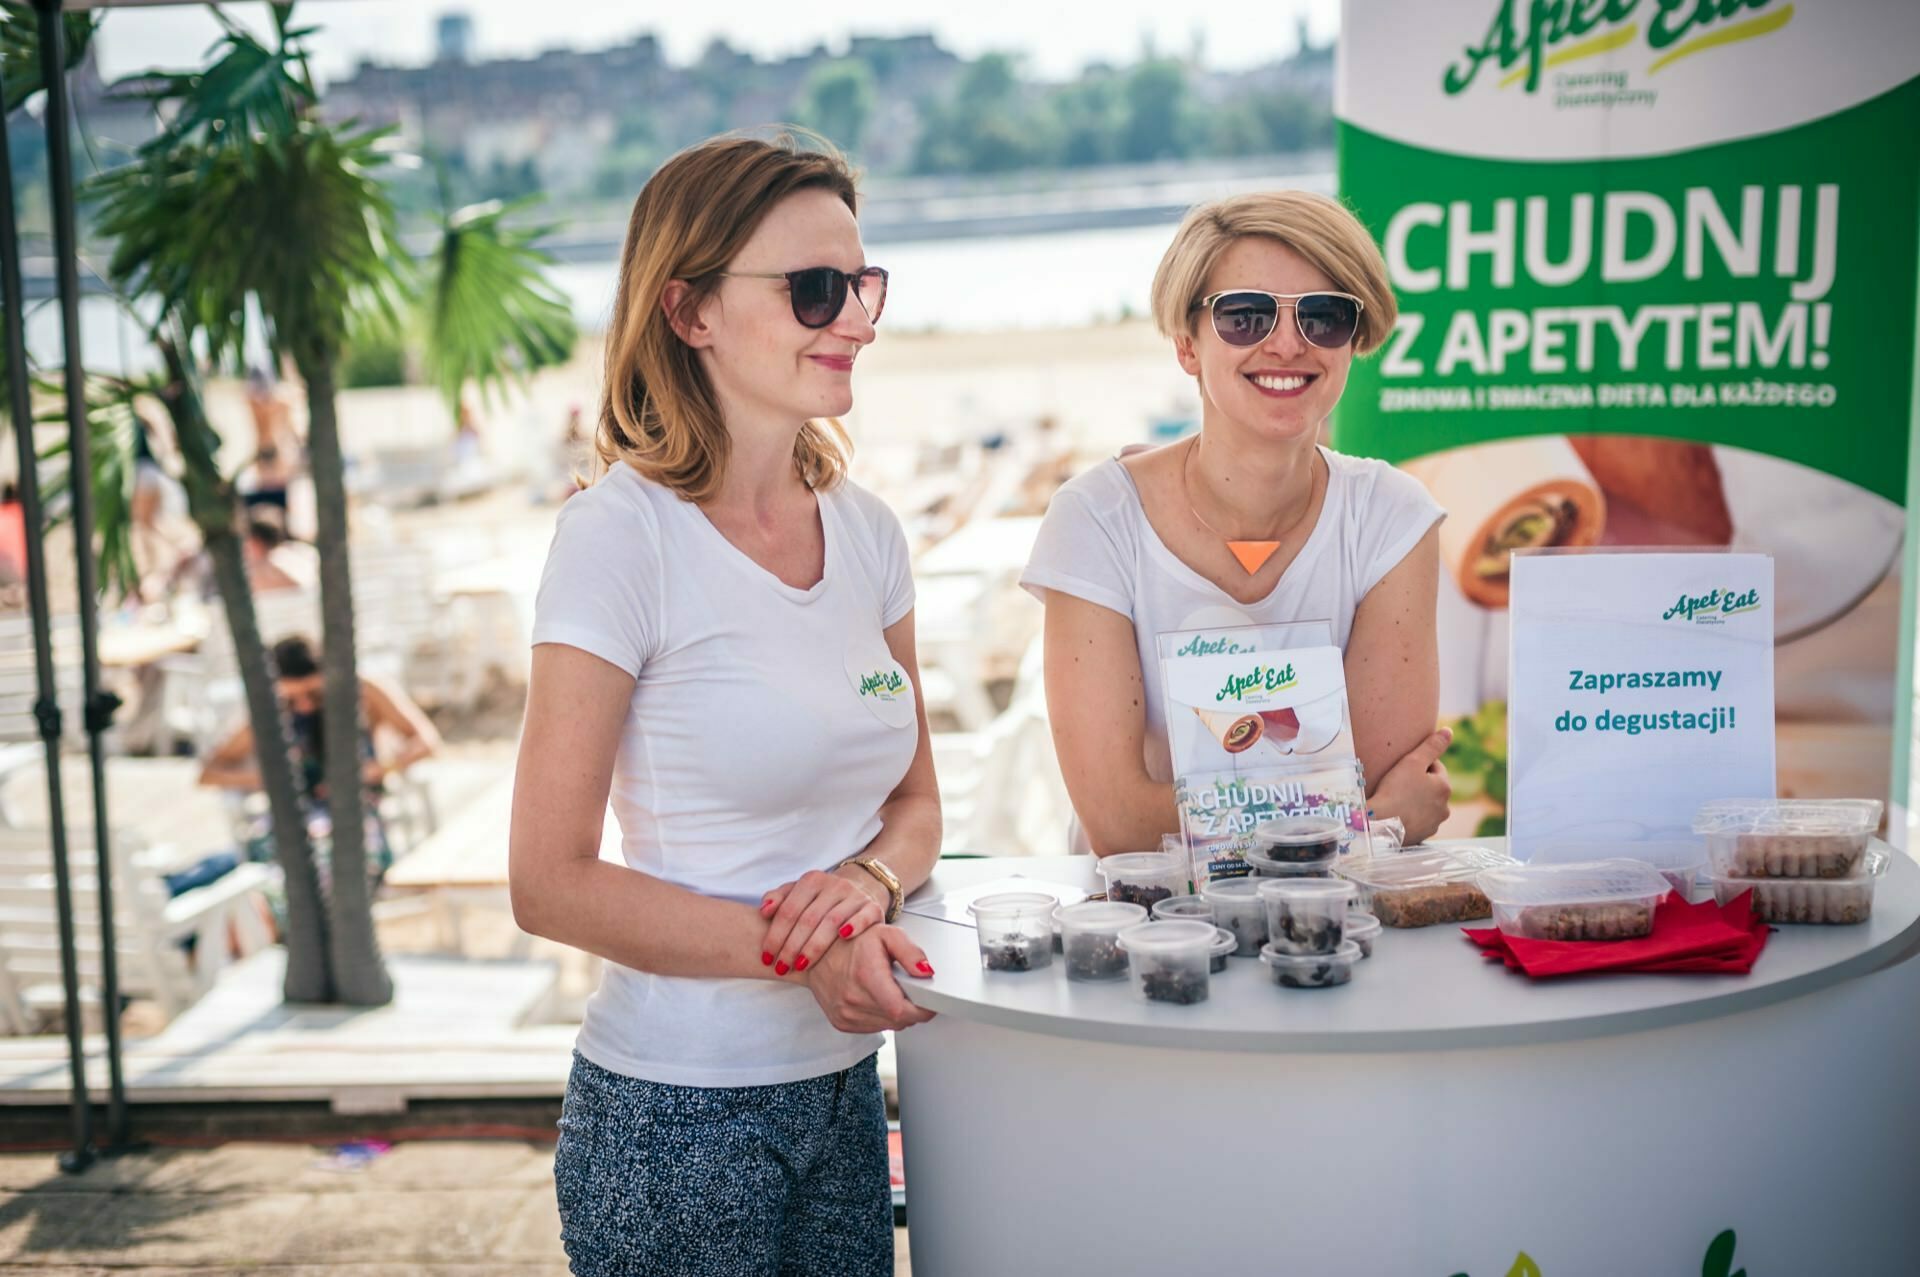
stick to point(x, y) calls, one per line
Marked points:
point(1641, 686)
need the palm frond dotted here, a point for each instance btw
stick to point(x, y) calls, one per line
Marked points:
point(492, 315)
point(298, 221)
point(20, 49)
point(250, 90)
point(110, 435)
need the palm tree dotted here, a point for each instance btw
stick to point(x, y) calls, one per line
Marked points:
point(245, 197)
point(212, 503)
point(248, 197)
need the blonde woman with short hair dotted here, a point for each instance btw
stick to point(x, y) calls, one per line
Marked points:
point(724, 650)
point(1267, 300)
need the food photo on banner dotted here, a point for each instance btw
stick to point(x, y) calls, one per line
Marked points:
point(1657, 289)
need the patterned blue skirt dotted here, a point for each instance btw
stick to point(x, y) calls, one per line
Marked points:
point(787, 1180)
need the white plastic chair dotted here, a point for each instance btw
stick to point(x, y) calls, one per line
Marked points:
point(148, 928)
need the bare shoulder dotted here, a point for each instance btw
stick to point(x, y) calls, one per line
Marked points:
point(1149, 463)
point(1155, 472)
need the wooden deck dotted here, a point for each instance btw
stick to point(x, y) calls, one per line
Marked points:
point(456, 1029)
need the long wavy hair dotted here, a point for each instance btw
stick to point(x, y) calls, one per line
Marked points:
point(659, 413)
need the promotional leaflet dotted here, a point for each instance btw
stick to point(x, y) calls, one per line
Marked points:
point(1642, 688)
point(1258, 730)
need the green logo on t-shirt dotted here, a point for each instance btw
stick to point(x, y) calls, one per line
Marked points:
point(884, 684)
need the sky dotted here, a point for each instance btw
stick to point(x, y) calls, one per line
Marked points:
point(1057, 40)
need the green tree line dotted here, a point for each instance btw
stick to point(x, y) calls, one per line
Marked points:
point(993, 120)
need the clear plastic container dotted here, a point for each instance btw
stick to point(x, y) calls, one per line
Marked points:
point(1016, 930)
point(1144, 878)
point(1787, 837)
point(1363, 929)
point(1831, 901)
point(1089, 938)
point(1425, 887)
point(1299, 838)
point(1056, 927)
point(1681, 861)
point(1590, 900)
point(1307, 915)
point(1261, 865)
point(1311, 970)
point(1175, 908)
point(1171, 960)
point(1237, 907)
point(1224, 943)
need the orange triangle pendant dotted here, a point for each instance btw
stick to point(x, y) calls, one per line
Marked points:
point(1253, 554)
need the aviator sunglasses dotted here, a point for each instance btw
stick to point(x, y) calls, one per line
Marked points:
point(1245, 317)
point(819, 293)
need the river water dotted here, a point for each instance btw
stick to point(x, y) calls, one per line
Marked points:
point(1055, 280)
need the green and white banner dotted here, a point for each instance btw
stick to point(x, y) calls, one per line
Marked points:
point(1656, 262)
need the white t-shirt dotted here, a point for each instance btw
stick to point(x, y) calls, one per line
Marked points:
point(1097, 545)
point(767, 726)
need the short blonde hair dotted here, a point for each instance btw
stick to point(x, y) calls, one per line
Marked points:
point(658, 412)
point(1320, 229)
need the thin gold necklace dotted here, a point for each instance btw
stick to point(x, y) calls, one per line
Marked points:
point(1251, 555)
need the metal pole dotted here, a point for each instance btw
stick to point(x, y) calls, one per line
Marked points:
point(46, 709)
point(100, 705)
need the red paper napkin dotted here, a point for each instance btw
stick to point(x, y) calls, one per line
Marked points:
point(1686, 937)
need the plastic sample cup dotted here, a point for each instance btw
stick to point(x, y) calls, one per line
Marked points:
point(1089, 938)
point(1170, 960)
point(1298, 838)
point(1224, 943)
point(1828, 901)
point(1305, 915)
point(1177, 908)
point(1788, 837)
point(1589, 900)
point(1363, 929)
point(1144, 878)
point(1311, 970)
point(1237, 907)
point(1016, 930)
point(1261, 865)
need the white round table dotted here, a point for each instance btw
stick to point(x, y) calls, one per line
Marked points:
point(1438, 1115)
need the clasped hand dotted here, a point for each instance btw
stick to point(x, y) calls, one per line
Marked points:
point(830, 929)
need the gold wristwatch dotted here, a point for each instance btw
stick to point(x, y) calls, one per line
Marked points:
point(886, 877)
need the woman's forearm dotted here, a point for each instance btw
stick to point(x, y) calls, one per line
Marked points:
point(412, 750)
point(1133, 817)
point(640, 922)
point(242, 776)
point(908, 842)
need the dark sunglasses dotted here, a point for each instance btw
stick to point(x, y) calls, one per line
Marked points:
point(1245, 317)
point(819, 293)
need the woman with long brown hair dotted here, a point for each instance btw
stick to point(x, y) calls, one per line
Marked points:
point(723, 648)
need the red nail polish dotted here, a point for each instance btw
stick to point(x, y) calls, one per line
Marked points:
point(926, 967)
point(766, 959)
point(765, 905)
point(801, 965)
point(846, 931)
point(779, 968)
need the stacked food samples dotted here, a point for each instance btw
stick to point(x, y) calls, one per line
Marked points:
point(1804, 860)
